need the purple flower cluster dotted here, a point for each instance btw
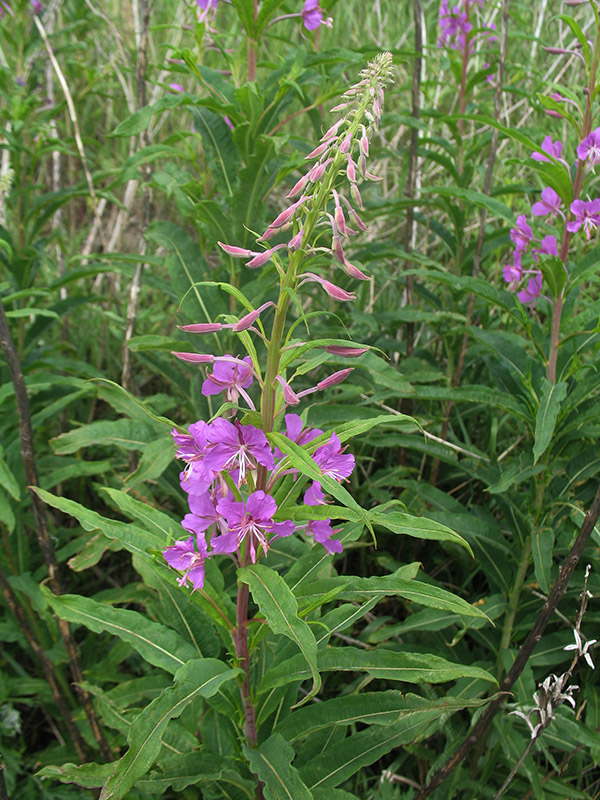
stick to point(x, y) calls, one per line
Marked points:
point(584, 214)
point(456, 26)
point(222, 460)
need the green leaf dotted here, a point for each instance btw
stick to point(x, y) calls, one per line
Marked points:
point(271, 761)
point(542, 549)
point(384, 664)
point(495, 207)
point(198, 678)
point(188, 769)
point(545, 420)
point(369, 708)
point(87, 775)
point(156, 644)
point(278, 605)
point(419, 527)
point(554, 273)
point(125, 433)
point(343, 759)
point(8, 480)
point(392, 585)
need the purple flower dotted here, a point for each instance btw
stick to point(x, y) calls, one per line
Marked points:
point(332, 461)
point(176, 87)
point(192, 449)
point(586, 214)
point(548, 205)
point(322, 531)
point(37, 6)
point(522, 234)
point(553, 149)
point(253, 520)
point(237, 446)
point(589, 149)
point(206, 4)
point(548, 247)
point(230, 376)
point(314, 496)
point(513, 273)
point(203, 513)
point(184, 557)
point(312, 15)
point(529, 295)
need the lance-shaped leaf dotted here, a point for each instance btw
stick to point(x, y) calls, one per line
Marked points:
point(271, 761)
point(387, 664)
point(419, 527)
point(545, 420)
point(279, 607)
point(154, 642)
point(189, 769)
point(198, 678)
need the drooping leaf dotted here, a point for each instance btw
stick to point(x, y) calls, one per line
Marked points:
point(278, 605)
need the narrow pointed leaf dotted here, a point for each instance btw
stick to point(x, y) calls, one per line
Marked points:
point(278, 605)
point(271, 761)
point(545, 420)
point(198, 678)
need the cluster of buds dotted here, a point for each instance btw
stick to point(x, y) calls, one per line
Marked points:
point(222, 461)
point(456, 26)
point(584, 214)
point(343, 149)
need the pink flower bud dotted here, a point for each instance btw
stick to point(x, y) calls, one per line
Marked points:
point(298, 187)
point(346, 143)
point(337, 377)
point(353, 271)
point(318, 151)
point(249, 319)
point(201, 327)
point(296, 242)
point(351, 170)
point(364, 141)
point(286, 215)
point(289, 395)
point(333, 130)
point(356, 195)
point(194, 358)
point(339, 107)
point(236, 252)
point(358, 221)
point(318, 171)
point(347, 352)
point(336, 292)
point(261, 258)
point(362, 161)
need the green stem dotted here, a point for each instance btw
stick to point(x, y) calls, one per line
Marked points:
point(513, 603)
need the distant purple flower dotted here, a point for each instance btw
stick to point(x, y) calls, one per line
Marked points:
point(228, 122)
point(549, 247)
point(176, 88)
point(37, 6)
point(253, 520)
point(453, 23)
point(189, 560)
point(206, 4)
point(529, 295)
point(312, 15)
point(231, 377)
point(549, 147)
point(237, 447)
point(522, 234)
point(332, 461)
point(513, 273)
point(548, 205)
point(586, 214)
point(589, 149)
point(322, 531)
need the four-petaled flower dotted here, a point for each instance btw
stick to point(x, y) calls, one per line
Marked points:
point(253, 521)
point(548, 205)
point(532, 292)
point(236, 446)
point(229, 375)
point(553, 149)
point(312, 15)
point(587, 214)
point(522, 234)
point(589, 148)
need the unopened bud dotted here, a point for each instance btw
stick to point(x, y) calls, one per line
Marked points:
point(296, 241)
point(336, 292)
point(298, 187)
point(346, 143)
point(337, 377)
point(262, 258)
point(346, 352)
point(194, 358)
point(236, 252)
point(201, 327)
point(318, 151)
point(289, 395)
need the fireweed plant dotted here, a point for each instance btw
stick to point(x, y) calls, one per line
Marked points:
point(259, 482)
point(232, 469)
